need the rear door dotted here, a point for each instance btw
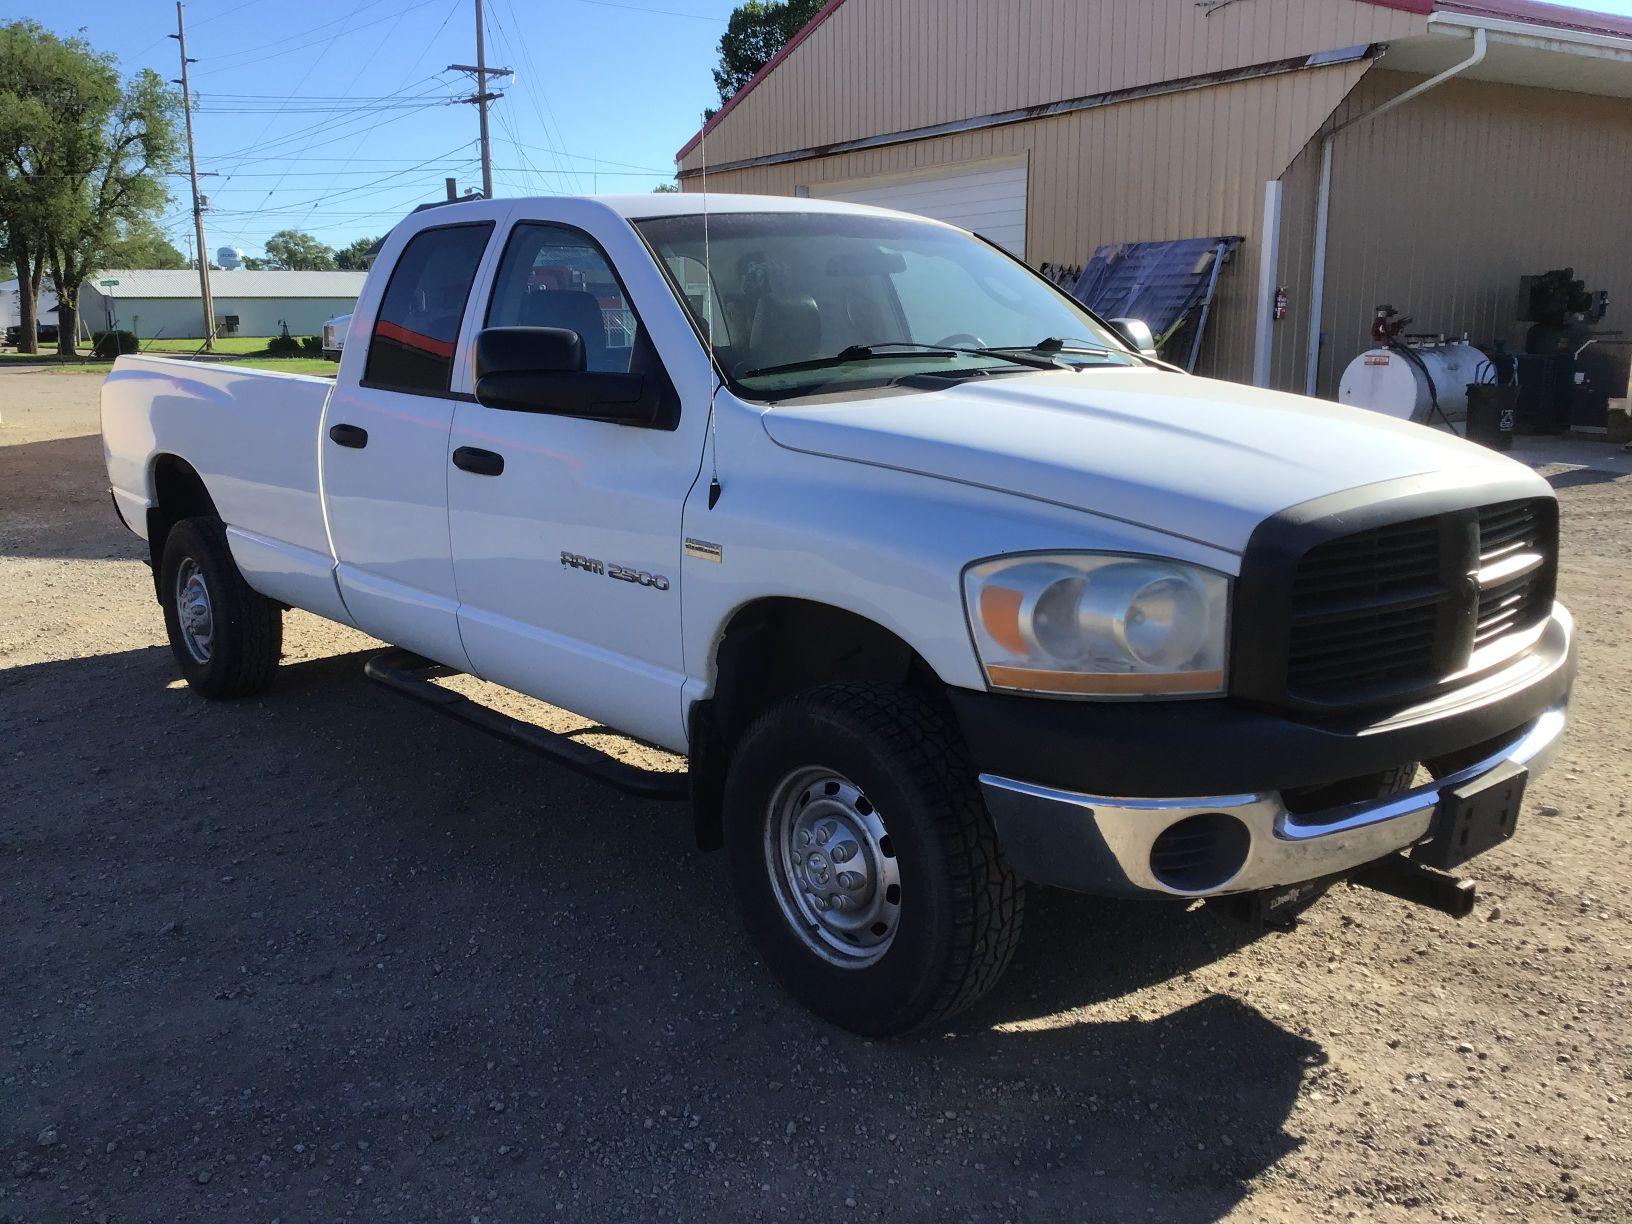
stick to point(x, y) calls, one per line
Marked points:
point(568, 559)
point(383, 446)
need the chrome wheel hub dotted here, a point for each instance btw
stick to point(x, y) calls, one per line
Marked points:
point(833, 868)
point(193, 611)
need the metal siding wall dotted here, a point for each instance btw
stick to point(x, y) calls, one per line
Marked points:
point(1175, 166)
point(305, 316)
point(156, 318)
point(1440, 207)
point(887, 65)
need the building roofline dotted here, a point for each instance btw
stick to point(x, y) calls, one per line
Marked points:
point(809, 28)
point(1528, 12)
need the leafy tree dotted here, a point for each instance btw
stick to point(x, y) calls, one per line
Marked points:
point(756, 31)
point(666, 188)
point(295, 251)
point(142, 244)
point(83, 157)
point(353, 257)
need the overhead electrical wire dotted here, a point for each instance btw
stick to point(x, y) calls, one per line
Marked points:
point(537, 96)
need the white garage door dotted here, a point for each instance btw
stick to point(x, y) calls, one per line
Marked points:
point(986, 197)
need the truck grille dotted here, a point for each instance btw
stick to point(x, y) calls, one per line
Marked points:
point(1390, 611)
point(1507, 532)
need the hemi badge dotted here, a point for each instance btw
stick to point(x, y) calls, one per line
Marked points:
point(703, 550)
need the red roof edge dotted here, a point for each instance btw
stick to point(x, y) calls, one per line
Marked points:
point(809, 28)
point(1532, 12)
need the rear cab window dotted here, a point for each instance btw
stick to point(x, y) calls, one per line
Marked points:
point(415, 332)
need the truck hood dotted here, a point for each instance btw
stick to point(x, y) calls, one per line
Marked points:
point(1193, 457)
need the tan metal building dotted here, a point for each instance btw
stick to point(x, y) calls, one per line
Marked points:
point(1055, 126)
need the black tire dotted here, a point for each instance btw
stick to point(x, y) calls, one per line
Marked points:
point(960, 906)
point(247, 628)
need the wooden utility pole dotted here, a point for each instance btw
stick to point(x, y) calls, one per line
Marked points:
point(192, 171)
point(482, 97)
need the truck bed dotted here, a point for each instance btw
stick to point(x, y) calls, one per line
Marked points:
point(252, 435)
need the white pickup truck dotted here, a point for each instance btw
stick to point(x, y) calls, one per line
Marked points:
point(941, 583)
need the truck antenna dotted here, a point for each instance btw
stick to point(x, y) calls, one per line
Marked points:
point(708, 320)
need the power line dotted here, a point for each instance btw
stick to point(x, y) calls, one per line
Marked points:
point(302, 42)
point(536, 95)
point(640, 8)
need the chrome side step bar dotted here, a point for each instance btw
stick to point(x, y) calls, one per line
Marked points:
point(407, 673)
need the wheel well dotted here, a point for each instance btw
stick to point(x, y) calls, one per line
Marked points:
point(772, 649)
point(178, 493)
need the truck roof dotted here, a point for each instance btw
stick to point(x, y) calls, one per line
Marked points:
point(660, 204)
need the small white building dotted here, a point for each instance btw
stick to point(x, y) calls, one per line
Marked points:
point(11, 311)
point(166, 304)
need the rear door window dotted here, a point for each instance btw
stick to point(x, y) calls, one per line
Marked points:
point(418, 323)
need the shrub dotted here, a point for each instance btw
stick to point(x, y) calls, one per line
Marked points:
point(113, 343)
point(283, 344)
point(312, 346)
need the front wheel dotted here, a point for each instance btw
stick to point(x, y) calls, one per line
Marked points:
point(865, 865)
point(226, 637)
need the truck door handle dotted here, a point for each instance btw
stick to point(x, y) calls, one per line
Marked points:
point(481, 462)
point(354, 436)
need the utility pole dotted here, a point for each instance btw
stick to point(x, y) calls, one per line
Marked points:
point(482, 97)
point(192, 170)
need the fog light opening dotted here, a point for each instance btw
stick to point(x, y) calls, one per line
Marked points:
point(1200, 852)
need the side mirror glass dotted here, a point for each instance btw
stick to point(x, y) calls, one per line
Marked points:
point(1136, 335)
point(541, 369)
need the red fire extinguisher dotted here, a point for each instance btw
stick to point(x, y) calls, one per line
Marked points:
point(1280, 303)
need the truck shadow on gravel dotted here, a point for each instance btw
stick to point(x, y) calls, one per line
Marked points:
point(322, 951)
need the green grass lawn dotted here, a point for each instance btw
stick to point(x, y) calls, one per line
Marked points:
point(223, 344)
point(79, 365)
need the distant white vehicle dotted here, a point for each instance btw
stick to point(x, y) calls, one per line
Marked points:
point(334, 335)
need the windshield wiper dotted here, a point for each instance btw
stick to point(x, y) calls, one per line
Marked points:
point(1040, 362)
point(1058, 344)
point(856, 352)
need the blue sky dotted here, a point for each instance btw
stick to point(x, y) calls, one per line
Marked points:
point(604, 95)
point(606, 91)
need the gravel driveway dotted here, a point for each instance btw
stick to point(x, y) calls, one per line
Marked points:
point(323, 955)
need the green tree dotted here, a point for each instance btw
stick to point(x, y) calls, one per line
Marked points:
point(83, 156)
point(295, 251)
point(756, 31)
point(666, 188)
point(142, 244)
point(353, 257)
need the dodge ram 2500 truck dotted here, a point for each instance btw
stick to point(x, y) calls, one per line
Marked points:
point(941, 583)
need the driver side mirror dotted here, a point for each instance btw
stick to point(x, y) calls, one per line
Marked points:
point(541, 369)
point(1136, 335)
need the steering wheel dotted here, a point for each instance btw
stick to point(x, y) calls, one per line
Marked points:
point(961, 340)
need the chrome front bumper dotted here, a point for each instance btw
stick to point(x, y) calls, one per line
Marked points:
point(1102, 845)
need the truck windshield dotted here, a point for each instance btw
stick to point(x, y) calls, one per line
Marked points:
point(807, 303)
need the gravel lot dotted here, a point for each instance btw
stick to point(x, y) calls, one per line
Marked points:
point(323, 955)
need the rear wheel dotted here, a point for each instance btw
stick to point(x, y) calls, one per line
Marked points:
point(865, 865)
point(226, 637)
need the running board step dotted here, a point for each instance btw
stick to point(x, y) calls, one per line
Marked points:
point(411, 675)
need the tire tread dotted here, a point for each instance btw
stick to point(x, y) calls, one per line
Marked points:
point(990, 897)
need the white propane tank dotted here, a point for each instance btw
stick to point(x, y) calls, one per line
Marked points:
point(1386, 380)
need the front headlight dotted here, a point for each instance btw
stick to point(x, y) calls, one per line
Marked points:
point(1099, 624)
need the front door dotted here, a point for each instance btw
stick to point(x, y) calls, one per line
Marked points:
point(383, 448)
point(567, 532)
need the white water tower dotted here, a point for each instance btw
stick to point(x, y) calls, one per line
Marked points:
point(229, 258)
